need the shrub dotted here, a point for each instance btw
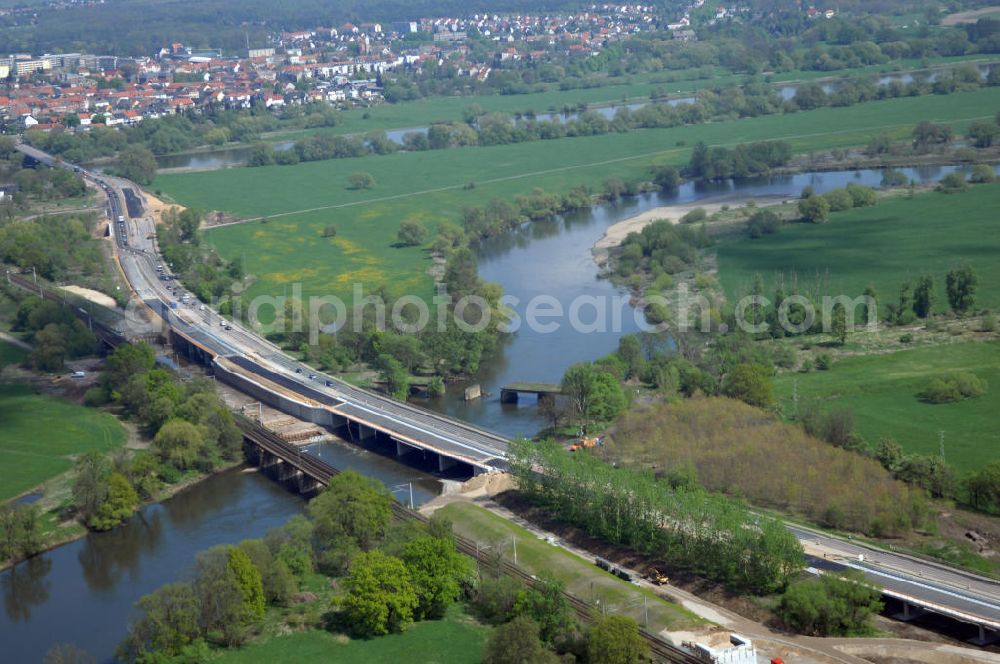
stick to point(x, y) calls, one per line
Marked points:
point(953, 387)
point(905, 338)
point(694, 216)
point(824, 361)
point(982, 174)
point(839, 200)
point(763, 222)
point(988, 323)
point(953, 183)
point(893, 178)
point(361, 181)
point(830, 605)
point(861, 196)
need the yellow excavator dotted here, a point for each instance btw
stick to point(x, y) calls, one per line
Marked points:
point(656, 577)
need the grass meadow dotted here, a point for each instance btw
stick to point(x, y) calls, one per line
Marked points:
point(456, 639)
point(39, 435)
point(638, 88)
point(882, 392)
point(581, 577)
point(431, 187)
point(883, 245)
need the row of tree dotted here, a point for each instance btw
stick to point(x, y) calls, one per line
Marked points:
point(693, 529)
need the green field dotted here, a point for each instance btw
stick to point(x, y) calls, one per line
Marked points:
point(582, 578)
point(39, 435)
point(456, 639)
point(882, 392)
point(11, 354)
point(429, 186)
point(882, 245)
point(423, 112)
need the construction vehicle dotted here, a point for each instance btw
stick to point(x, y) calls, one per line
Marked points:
point(586, 444)
point(655, 576)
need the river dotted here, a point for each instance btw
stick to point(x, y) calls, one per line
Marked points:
point(83, 592)
point(553, 258)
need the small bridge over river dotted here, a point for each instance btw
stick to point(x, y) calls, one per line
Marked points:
point(544, 391)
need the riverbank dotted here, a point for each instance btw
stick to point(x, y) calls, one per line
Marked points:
point(617, 232)
point(72, 530)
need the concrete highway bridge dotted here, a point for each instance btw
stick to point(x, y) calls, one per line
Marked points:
point(257, 367)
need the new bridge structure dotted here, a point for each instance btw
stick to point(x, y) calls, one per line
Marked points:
point(257, 367)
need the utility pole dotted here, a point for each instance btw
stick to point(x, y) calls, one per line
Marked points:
point(411, 494)
point(941, 443)
point(514, 539)
point(645, 612)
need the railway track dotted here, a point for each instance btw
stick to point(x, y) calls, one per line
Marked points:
point(661, 650)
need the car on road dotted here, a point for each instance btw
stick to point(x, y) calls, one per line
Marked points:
point(312, 376)
point(78, 374)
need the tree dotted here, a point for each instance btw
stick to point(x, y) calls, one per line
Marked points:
point(20, 532)
point(168, 621)
point(923, 296)
point(329, 231)
point(616, 640)
point(118, 503)
point(547, 606)
point(871, 305)
point(961, 285)
point(838, 323)
point(249, 581)
point(436, 570)
point(137, 163)
point(361, 181)
point(229, 593)
point(128, 360)
point(354, 507)
point(517, 642)
point(594, 394)
point(983, 134)
point(411, 233)
point(49, 353)
point(395, 376)
point(461, 274)
point(834, 605)
point(90, 487)
point(814, 209)
point(750, 383)
point(380, 597)
point(984, 488)
point(179, 443)
point(666, 177)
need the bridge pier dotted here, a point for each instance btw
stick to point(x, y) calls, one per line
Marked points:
point(444, 463)
point(986, 637)
point(308, 486)
point(909, 612)
point(402, 449)
point(546, 398)
point(508, 396)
